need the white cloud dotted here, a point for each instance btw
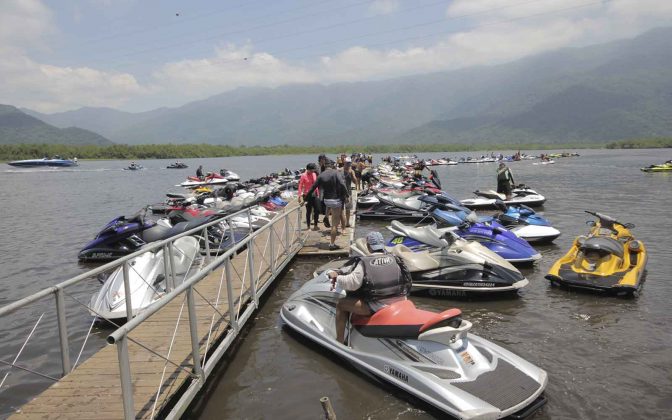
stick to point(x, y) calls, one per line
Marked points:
point(231, 67)
point(26, 25)
point(494, 33)
point(384, 6)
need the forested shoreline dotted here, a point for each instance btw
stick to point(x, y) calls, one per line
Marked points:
point(185, 151)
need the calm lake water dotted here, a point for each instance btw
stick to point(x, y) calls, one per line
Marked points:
point(606, 357)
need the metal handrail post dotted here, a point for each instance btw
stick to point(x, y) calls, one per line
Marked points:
point(127, 291)
point(63, 331)
point(207, 244)
point(271, 244)
point(195, 350)
point(229, 294)
point(287, 234)
point(249, 219)
point(298, 223)
point(172, 265)
point(125, 376)
point(253, 274)
point(166, 268)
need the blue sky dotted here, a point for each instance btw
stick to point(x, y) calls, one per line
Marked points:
point(138, 55)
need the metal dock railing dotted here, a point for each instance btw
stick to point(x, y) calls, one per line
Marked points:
point(158, 361)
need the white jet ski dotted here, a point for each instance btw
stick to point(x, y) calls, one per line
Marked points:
point(519, 195)
point(147, 280)
point(430, 355)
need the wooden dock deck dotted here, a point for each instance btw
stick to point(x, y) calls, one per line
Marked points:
point(160, 349)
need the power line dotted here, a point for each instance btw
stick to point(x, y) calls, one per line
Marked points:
point(368, 35)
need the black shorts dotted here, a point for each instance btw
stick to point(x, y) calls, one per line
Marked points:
point(504, 188)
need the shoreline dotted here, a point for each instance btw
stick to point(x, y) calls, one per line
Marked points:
point(188, 151)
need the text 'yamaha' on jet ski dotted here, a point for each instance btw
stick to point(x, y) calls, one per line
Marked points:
point(609, 259)
point(147, 280)
point(432, 356)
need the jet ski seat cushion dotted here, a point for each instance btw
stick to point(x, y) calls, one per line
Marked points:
point(415, 261)
point(598, 243)
point(403, 320)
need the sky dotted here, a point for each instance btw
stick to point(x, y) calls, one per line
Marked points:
point(138, 55)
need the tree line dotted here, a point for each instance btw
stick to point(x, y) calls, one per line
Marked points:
point(184, 151)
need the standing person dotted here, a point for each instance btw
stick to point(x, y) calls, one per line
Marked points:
point(373, 282)
point(349, 177)
point(332, 186)
point(307, 179)
point(504, 180)
point(199, 172)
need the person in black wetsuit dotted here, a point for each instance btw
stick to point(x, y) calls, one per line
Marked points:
point(199, 172)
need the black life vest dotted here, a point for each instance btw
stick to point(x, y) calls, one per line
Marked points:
point(385, 275)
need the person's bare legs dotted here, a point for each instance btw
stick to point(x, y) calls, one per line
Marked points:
point(335, 221)
point(344, 308)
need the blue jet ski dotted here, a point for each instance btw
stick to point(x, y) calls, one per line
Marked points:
point(465, 224)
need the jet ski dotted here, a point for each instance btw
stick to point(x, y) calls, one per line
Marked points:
point(134, 167)
point(491, 235)
point(210, 179)
point(525, 223)
point(430, 355)
point(451, 263)
point(608, 260)
point(519, 195)
point(122, 235)
point(391, 207)
point(663, 167)
point(147, 279)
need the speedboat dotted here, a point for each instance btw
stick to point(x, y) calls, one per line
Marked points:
point(608, 260)
point(147, 279)
point(519, 195)
point(430, 355)
point(55, 161)
point(177, 165)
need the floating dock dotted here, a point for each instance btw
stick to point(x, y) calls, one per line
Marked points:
point(158, 361)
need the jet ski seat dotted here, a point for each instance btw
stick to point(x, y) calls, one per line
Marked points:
point(602, 244)
point(428, 235)
point(490, 194)
point(415, 261)
point(402, 319)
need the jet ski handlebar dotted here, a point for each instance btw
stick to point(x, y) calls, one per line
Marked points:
point(609, 219)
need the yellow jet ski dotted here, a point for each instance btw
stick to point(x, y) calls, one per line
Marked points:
point(663, 167)
point(609, 259)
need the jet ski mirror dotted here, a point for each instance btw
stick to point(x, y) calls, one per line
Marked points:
point(590, 223)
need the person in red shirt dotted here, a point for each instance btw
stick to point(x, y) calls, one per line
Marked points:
point(312, 203)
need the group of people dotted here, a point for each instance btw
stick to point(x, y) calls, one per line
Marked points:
point(326, 187)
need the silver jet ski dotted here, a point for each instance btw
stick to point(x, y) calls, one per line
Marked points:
point(519, 195)
point(451, 262)
point(430, 355)
point(147, 278)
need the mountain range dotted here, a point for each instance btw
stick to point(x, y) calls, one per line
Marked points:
point(16, 127)
point(618, 90)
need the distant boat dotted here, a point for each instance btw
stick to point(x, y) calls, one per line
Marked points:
point(55, 161)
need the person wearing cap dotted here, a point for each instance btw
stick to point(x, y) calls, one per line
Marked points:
point(371, 282)
point(307, 179)
point(349, 177)
point(504, 180)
